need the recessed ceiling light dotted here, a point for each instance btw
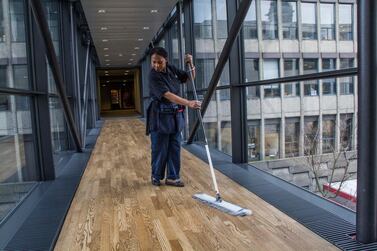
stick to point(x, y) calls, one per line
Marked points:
point(136, 48)
point(105, 40)
point(107, 60)
point(107, 64)
point(106, 74)
point(140, 39)
point(103, 28)
point(106, 71)
point(129, 64)
point(120, 55)
point(145, 28)
point(124, 80)
point(124, 84)
point(126, 74)
point(104, 85)
point(131, 59)
point(105, 49)
point(101, 11)
point(133, 54)
point(106, 55)
point(107, 81)
point(154, 11)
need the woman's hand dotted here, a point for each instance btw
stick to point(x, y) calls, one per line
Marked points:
point(194, 104)
point(188, 60)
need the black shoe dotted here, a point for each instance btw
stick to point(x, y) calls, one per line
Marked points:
point(155, 181)
point(176, 183)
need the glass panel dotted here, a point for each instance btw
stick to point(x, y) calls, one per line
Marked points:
point(250, 23)
point(311, 136)
point(346, 84)
point(17, 153)
point(309, 21)
point(310, 87)
point(328, 134)
point(253, 143)
point(175, 46)
point(345, 22)
point(202, 19)
point(328, 84)
point(52, 12)
point(345, 129)
point(291, 68)
point(289, 19)
point(292, 137)
point(272, 139)
point(269, 19)
point(204, 69)
point(217, 122)
point(327, 21)
point(58, 129)
point(270, 71)
point(222, 25)
point(13, 56)
point(252, 74)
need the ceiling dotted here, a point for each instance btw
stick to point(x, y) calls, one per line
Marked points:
point(121, 27)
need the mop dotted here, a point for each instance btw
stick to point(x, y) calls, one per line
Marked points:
point(216, 202)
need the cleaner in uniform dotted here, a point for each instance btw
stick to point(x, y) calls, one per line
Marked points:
point(165, 116)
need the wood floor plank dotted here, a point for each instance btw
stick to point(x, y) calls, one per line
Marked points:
point(116, 207)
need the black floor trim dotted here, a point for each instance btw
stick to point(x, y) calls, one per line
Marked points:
point(332, 222)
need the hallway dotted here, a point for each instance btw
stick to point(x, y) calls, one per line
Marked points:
point(116, 207)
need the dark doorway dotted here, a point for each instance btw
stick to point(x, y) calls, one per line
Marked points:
point(119, 92)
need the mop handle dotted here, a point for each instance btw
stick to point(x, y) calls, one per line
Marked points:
point(205, 139)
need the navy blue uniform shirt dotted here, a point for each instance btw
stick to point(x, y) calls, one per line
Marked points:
point(159, 84)
point(162, 82)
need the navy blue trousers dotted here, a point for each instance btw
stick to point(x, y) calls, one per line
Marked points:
point(166, 152)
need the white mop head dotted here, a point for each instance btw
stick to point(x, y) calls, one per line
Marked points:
point(222, 205)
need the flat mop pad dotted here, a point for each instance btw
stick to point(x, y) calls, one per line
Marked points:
point(222, 205)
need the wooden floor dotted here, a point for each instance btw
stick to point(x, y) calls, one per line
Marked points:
point(116, 207)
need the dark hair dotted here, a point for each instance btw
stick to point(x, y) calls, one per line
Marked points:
point(159, 51)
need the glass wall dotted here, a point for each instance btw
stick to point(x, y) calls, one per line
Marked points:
point(309, 20)
point(289, 19)
point(269, 19)
point(327, 21)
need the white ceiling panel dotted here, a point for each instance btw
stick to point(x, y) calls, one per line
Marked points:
point(119, 26)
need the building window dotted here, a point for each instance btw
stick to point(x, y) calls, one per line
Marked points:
point(269, 19)
point(327, 21)
point(270, 71)
point(328, 84)
point(4, 103)
point(291, 68)
point(3, 76)
point(211, 133)
point(250, 23)
point(226, 137)
point(203, 19)
point(309, 21)
point(252, 74)
point(272, 139)
point(204, 70)
point(346, 83)
point(292, 136)
point(345, 22)
point(311, 135)
point(289, 19)
point(345, 129)
point(253, 129)
point(17, 20)
point(20, 77)
point(328, 134)
point(311, 86)
point(221, 19)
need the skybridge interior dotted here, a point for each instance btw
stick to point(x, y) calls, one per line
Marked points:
point(288, 105)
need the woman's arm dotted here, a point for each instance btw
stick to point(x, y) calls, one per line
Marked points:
point(189, 61)
point(194, 104)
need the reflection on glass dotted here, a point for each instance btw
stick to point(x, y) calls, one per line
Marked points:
point(289, 19)
point(327, 21)
point(311, 86)
point(58, 132)
point(345, 22)
point(291, 68)
point(292, 134)
point(312, 136)
point(269, 19)
point(250, 23)
point(328, 134)
point(271, 71)
point(346, 129)
point(203, 69)
point(175, 47)
point(221, 18)
point(346, 83)
point(203, 19)
point(252, 74)
point(211, 133)
point(226, 137)
point(272, 139)
point(17, 17)
point(253, 143)
point(309, 21)
point(328, 84)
